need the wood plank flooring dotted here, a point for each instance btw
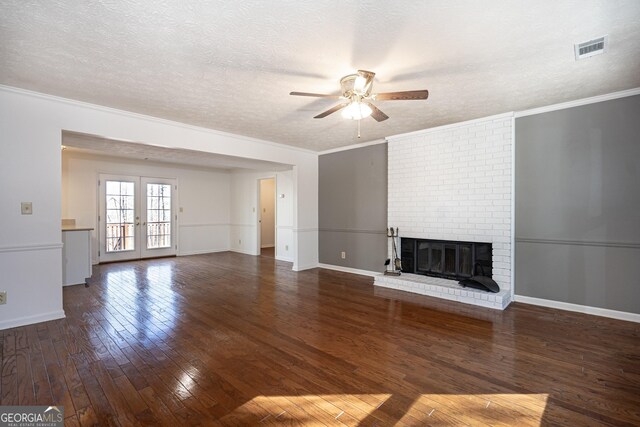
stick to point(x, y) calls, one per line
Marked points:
point(230, 339)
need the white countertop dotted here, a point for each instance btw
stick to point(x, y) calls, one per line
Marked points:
point(75, 228)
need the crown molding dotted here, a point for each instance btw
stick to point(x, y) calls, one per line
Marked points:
point(579, 102)
point(352, 146)
point(402, 136)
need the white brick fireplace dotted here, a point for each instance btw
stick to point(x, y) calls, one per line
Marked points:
point(455, 182)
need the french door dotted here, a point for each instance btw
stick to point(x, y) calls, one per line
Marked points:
point(137, 217)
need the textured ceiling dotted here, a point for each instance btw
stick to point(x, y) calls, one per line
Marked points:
point(229, 65)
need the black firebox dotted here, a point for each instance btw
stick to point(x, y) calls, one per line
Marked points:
point(447, 259)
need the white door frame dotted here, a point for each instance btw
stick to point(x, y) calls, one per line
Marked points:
point(103, 255)
point(275, 215)
point(145, 252)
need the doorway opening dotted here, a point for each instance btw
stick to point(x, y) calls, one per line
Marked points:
point(267, 216)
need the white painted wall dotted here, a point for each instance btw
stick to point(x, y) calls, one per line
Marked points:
point(455, 183)
point(267, 213)
point(244, 213)
point(305, 214)
point(203, 195)
point(31, 125)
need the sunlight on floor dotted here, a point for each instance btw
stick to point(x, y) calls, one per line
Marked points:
point(352, 409)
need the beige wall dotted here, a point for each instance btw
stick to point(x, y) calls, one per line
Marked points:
point(203, 195)
point(267, 213)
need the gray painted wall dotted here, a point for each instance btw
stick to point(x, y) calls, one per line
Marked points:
point(353, 207)
point(577, 195)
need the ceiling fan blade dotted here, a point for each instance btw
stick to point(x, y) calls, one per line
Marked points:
point(376, 113)
point(331, 110)
point(401, 96)
point(317, 95)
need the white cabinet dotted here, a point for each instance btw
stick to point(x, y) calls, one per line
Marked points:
point(76, 255)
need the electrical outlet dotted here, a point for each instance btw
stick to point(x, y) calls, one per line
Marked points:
point(286, 247)
point(26, 208)
point(3, 297)
point(343, 255)
point(239, 241)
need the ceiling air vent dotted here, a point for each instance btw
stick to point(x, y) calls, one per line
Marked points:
point(590, 48)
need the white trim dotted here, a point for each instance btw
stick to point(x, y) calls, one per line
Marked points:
point(28, 320)
point(204, 225)
point(304, 267)
point(285, 259)
point(139, 116)
point(352, 146)
point(595, 311)
point(402, 136)
point(305, 230)
point(202, 251)
point(284, 227)
point(579, 102)
point(513, 208)
point(32, 247)
point(242, 225)
point(243, 251)
point(349, 270)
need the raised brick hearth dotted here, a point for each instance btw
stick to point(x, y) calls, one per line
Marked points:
point(444, 288)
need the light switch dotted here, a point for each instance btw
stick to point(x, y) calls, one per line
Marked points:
point(181, 209)
point(26, 208)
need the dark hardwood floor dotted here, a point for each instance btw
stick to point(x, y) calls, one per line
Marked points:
point(230, 339)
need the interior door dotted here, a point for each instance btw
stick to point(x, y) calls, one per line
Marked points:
point(137, 217)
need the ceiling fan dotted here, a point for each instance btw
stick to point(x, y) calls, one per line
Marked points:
point(357, 96)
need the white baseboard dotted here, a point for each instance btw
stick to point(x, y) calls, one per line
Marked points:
point(285, 259)
point(350, 270)
point(203, 251)
point(243, 251)
point(596, 311)
point(28, 320)
point(304, 267)
point(266, 246)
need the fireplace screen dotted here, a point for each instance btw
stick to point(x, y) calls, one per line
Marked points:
point(447, 259)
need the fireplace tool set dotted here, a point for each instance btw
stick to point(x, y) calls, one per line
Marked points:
point(397, 263)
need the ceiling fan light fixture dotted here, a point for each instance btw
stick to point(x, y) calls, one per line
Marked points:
point(359, 85)
point(356, 111)
point(356, 96)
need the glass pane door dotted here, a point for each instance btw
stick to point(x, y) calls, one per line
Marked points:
point(158, 216)
point(158, 227)
point(137, 217)
point(119, 217)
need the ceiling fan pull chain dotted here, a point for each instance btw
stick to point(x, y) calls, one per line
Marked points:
point(358, 128)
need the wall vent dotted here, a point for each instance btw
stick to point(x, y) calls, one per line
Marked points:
point(590, 48)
